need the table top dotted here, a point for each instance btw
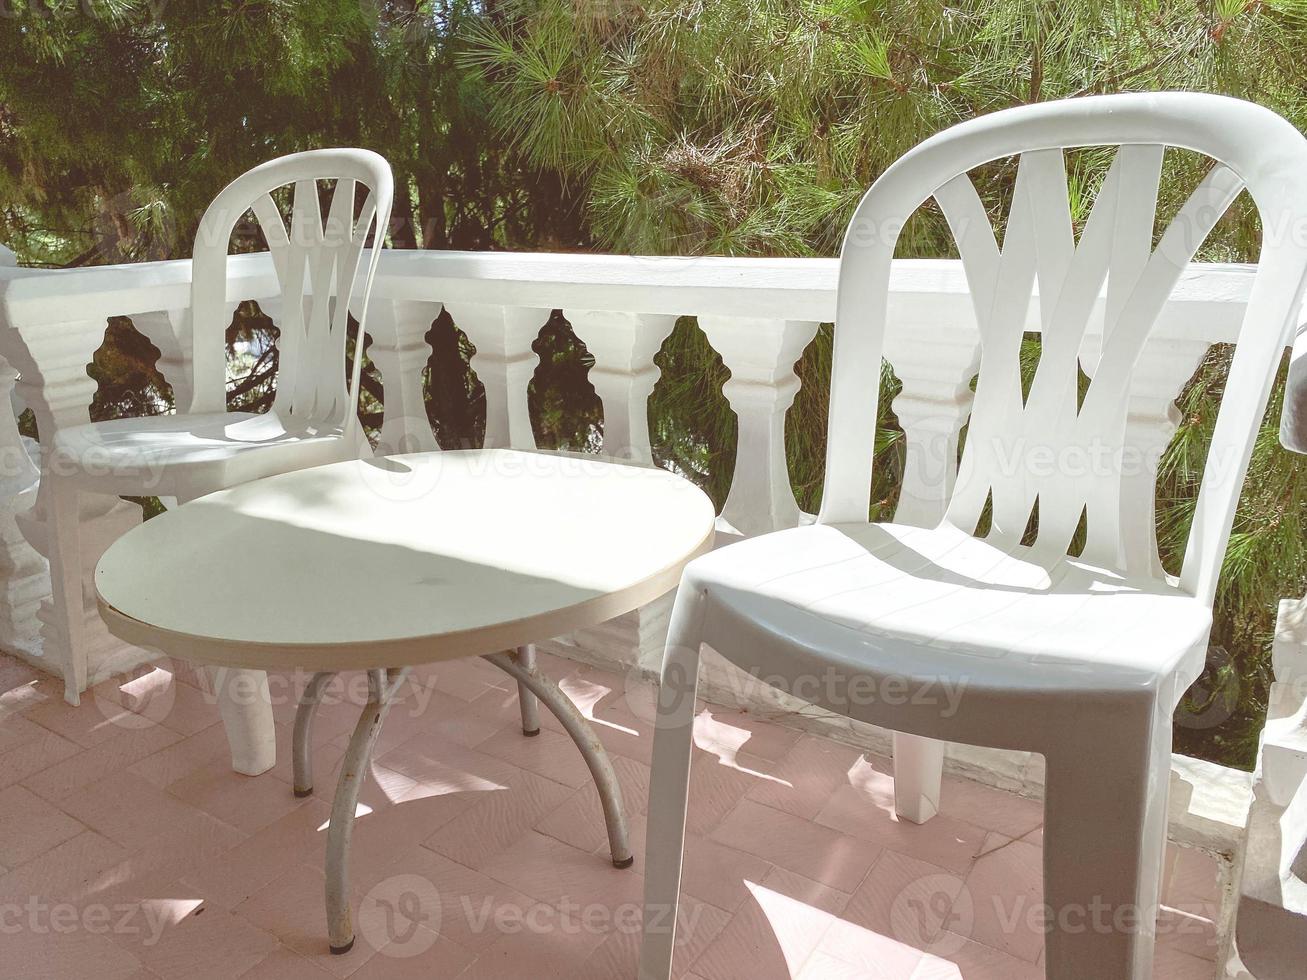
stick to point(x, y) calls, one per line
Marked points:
point(402, 560)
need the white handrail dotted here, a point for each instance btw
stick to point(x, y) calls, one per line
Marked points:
point(1205, 302)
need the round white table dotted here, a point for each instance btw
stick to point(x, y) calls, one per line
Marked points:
point(381, 564)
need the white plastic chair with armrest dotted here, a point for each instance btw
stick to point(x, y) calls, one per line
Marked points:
point(313, 419)
point(1082, 658)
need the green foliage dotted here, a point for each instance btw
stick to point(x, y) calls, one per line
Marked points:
point(120, 120)
point(752, 126)
point(1265, 559)
point(742, 127)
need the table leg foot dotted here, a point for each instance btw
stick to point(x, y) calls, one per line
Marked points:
point(592, 750)
point(302, 747)
point(526, 700)
point(382, 685)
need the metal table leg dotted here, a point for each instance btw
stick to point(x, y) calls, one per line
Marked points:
point(382, 685)
point(527, 701)
point(592, 750)
point(302, 744)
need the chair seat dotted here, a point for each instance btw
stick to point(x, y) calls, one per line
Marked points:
point(185, 455)
point(940, 602)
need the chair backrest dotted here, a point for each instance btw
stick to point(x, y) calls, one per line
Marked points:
point(1252, 148)
point(317, 265)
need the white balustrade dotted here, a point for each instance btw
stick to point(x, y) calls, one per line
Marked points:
point(170, 331)
point(24, 576)
point(1168, 360)
point(505, 364)
point(760, 354)
point(758, 314)
point(400, 352)
point(51, 324)
point(935, 364)
point(1272, 901)
point(51, 360)
point(623, 346)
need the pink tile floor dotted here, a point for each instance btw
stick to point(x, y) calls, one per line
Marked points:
point(128, 849)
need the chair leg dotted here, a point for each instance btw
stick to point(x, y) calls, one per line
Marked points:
point(302, 741)
point(527, 701)
point(246, 707)
point(1104, 842)
point(64, 551)
point(668, 794)
point(918, 776)
point(592, 750)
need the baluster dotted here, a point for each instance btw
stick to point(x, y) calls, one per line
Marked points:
point(55, 385)
point(57, 388)
point(400, 351)
point(505, 363)
point(24, 576)
point(170, 331)
point(1272, 919)
point(623, 346)
point(1165, 364)
point(1284, 747)
point(935, 365)
point(760, 354)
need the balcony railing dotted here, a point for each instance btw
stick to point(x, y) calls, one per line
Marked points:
point(759, 315)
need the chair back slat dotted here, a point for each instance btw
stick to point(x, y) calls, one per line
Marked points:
point(317, 263)
point(1056, 453)
point(1040, 248)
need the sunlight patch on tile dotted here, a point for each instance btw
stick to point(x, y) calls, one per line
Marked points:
point(360, 810)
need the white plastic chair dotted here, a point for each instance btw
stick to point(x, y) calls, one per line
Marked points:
point(1084, 658)
point(313, 419)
